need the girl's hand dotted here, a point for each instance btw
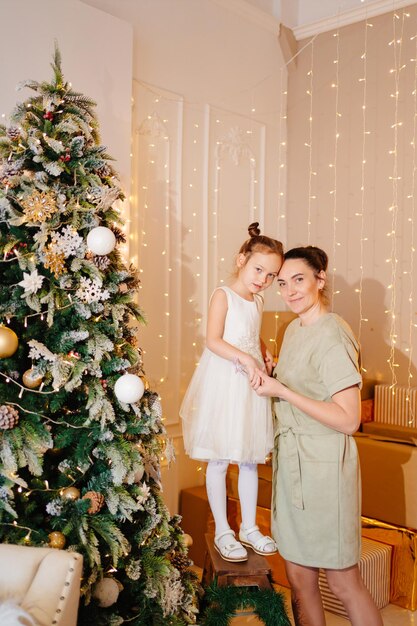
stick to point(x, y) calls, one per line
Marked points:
point(269, 362)
point(267, 386)
point(251, 367)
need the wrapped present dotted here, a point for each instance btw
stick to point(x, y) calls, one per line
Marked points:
point(391, 432)
point(389, 485)
point(367, 410)
point(264, 484)
point(374, 565)
point(197, 520)
point(403, 588)
point(395, 405)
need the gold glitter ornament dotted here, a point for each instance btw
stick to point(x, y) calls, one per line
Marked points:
point(54, 261)
point(57, 540)
point(39, 206)
point(30, 380)
point(71, 493)
point(8, 342)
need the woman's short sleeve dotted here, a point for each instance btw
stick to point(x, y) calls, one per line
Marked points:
point(339, 367)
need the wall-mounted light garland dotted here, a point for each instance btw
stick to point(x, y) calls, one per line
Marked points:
point(365, 133)
point(333, 192)
point(309, 143)
point(396, 44)
point(154, 129)
point(411, 218)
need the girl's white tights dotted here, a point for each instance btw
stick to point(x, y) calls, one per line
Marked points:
point(248, 494)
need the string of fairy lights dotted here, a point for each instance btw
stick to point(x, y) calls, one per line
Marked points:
point(333, 165)
point(365, 133)
point(412, 197)
point(152, 139)
point(204, 191)
point(309, 142)
point(396, 44)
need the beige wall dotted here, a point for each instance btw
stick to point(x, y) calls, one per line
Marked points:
point(101, 72)
point(355, 206)
point(206, 152)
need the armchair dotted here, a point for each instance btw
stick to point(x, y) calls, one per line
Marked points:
point(44, 582)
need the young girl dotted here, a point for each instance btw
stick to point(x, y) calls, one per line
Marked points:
point(224, 420)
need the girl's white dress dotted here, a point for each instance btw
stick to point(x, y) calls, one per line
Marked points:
point(223, 418)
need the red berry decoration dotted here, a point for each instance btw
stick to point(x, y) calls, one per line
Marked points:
point(49, 115)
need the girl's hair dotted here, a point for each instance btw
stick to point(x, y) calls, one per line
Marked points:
point(315, 258)
point(260, 243)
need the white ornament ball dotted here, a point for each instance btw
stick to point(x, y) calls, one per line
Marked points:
point(106, 592)
point(101, 240)
point(129, 388)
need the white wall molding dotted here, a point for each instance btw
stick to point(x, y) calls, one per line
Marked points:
point(338, 20)
point(251, 13)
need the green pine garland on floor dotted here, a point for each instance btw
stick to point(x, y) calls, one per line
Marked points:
point(221, 603)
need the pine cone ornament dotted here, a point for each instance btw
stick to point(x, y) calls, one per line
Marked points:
point(103, 171)
point(180, 561)
point(9, 417)
point(102, 262)
point(13, 133)
point(119, 234)
point(97, 501)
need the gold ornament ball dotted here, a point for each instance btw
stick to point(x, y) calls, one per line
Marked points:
point(8, 342)
point(30, 381)
point(71, 493)
point(57, 540)
point(188, 540)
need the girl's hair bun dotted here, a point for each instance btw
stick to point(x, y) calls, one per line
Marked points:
point(254, 230)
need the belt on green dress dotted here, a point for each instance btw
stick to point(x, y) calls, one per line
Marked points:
point(294, 460)
point(294, 464)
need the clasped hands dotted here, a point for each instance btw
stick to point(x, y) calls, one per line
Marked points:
point(259, 377)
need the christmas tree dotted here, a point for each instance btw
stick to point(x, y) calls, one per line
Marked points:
point(81, 433)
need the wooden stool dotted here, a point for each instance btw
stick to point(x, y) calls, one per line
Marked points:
point(255, 572)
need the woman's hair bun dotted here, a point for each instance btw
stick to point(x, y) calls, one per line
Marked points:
point(321, 257)
point(254, 230)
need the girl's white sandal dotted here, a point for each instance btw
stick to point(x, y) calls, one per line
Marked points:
point(233, 551)
point(259, 545)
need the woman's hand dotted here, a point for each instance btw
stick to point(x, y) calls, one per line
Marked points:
point(269, 362)
point(268, 386)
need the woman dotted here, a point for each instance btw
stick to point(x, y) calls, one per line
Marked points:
point(316, 499)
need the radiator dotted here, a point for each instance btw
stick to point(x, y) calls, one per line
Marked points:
point(396, 405)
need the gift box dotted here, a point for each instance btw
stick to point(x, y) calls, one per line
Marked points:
point(395, 405)
point(375, 566)
point(403, 541)
point(367, 411)
point(389, 485)
point(264, 484)
point(197, 520)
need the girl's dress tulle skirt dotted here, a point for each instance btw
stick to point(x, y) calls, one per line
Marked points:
point(223, 418)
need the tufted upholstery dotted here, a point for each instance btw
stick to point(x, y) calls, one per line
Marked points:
point(43, 581)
